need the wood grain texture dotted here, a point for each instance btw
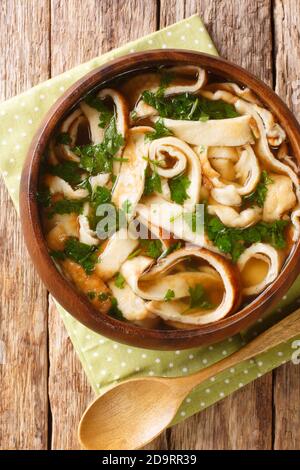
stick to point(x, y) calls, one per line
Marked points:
point(235, 423)
point(247, 24)
point(287, 56)
point(23, 315)
point(96, 27)
point(69, 390)
point(81, 29)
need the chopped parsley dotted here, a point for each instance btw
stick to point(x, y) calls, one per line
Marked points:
point(81, 253)
point(133, 115)
point(119, 281)
point(178, 188)
point(101, 195)
point(170, 249)
point(194, 219)
point(258, 196)
point(91, 294)
point(99, 158)
point(105, 114)
point(160, 130)
point(114, 310)
point(103, 296)
point(127, 206)
point(68, 171)
point(57, 255)
point(169, 295)
point(66, 206)
point(152, 248)
point(63, 138)
point(135, 253)
point(152, 182)
point(189, 107)
point(235, 240)
point(44, 197)
point(198, 297)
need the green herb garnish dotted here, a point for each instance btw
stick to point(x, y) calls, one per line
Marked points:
point(198, 297)
point(170, 249)
point(119, 281)
point(105, 114)
point(133, 115)
point(68, 171)
point(101, 195)
point(57, 255)
point(63, 138)
point(135, 253)
point(99, 158)
point(91, 295)
point(178, 188)
point(103, 296)
point(234, 240)
point(259, 195)
point(66, 206)
point(169, 295)
point(193, 219)
point(81, 253)
point(188, 107)
point(127, 206)
point(114, 310)
point(152, 183)
point(44, 197)
point(152, 248)
point(160, 130)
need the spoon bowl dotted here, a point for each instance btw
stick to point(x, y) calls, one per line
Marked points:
point(134, 412)
point(107, 423)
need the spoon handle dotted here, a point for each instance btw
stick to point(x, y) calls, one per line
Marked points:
point(279, 333)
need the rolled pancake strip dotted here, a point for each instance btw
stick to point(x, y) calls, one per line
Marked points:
point(170, 217)
point(152, 84)
point(246, 168)
point(131, 180)
point(274, 132)
point(116, 251)
point(295, 218)
point(267, 254)
point(262, 147)
point(70, 126)
point(230, 132)
point(131, 305)
point(57, 185)
point(233, 89)
point(121, 116)
point(231, 218)
point(86, 235)
point(185, 160)
point(155, 282)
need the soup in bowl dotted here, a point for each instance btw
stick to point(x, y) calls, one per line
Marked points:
point(168, 198)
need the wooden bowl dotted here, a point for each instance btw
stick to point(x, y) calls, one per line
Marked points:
point(76, 303)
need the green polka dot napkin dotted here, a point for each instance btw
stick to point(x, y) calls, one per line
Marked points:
point(107, 362)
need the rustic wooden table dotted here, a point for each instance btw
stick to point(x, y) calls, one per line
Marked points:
point(43, 387)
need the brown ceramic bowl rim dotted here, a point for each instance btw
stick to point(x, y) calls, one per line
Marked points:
point(76, 303)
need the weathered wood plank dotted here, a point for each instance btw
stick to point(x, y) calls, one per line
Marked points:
point(85, 29)
point(242, 33)
point(287, 56)
point(23, 315)
point(241, 421)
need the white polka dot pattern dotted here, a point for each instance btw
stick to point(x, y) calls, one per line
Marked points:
point(107, 362)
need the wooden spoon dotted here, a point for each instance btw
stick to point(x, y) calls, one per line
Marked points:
point(134, 412)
